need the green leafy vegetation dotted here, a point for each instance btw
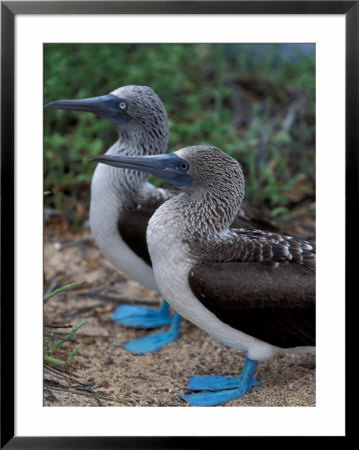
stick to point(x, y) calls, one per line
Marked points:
point(256, 102)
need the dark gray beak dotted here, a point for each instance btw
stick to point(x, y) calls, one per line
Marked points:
point(106, 106)
point(169, 167)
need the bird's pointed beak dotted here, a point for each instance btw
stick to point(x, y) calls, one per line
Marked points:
point(106, 106)
point(168, 167)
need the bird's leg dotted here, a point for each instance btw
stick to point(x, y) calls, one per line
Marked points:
point(154, 342)
point(216, 383)
point(220, 390)
point(143, 317)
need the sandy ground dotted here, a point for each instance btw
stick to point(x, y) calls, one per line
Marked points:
point(102, 373)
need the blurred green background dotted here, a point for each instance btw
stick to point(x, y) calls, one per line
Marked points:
point(254, 101)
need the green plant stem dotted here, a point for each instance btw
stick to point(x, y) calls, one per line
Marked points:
point(62, 289)
point(66, 338)
point(53, 361)
point(72, 354)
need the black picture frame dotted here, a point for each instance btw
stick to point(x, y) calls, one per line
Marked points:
point(9, 10)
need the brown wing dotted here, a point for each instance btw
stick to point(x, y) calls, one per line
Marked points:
point(275, 305)
point(132, 226)
point(260, 283)
point(248, 245)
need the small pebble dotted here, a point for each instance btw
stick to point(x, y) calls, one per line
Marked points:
point(57, 246)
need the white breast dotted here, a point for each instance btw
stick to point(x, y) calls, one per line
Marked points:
point(105, 208)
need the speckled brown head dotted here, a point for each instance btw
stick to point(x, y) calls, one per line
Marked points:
point(212, 169)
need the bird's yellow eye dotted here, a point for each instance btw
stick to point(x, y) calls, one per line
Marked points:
point(122, 105)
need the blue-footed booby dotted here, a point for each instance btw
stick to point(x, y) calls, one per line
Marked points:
point(253, 290)
point(122, 202)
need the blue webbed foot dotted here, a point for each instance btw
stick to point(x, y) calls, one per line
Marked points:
point(208, 398)
point(214, 383)
point(142, 317)
point(154, 342)
point(220, 390)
